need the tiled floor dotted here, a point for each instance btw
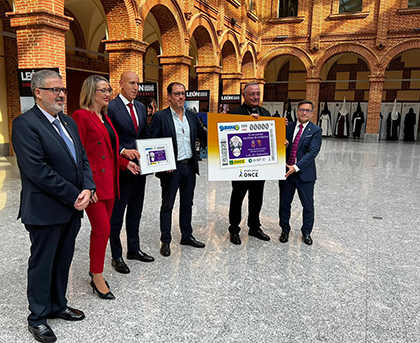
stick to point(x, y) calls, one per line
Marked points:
point(359, 282)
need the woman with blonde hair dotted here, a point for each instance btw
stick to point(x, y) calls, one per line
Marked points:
point(101, 143)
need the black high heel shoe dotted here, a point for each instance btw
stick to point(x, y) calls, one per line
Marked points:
point(106, 282)
point(106, 296)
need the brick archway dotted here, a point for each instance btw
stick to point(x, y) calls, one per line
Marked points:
point(285, 50)
point(249, 61)
point(77, 31)
point(248, 66)
point(396, 50)
point(203, 23)
point(171, 23)
point(230, 52)
point(122, 18)
point(205, 46)
point(364, 52)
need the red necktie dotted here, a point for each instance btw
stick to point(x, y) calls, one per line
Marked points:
point(133, 116)
point(293, 153)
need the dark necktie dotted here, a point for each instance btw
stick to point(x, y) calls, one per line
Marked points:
point(133, 116)
point(293, 153)
point(66, 139)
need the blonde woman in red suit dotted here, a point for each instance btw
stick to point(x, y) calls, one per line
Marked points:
point(101, 143)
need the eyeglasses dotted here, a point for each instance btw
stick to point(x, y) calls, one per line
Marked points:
point(254, 94)
point(304, 110)
point(105, 90)
point(55, 90)
point(178, 94)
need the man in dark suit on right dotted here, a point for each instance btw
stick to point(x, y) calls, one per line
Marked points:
point(129, 119)
point(305, 143)
point(255, 188)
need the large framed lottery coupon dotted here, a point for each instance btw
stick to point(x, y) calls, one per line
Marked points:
point(244, 148)
point(247, 143)
point(156, 155)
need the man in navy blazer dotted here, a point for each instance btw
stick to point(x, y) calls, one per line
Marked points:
point(305, 143)
point(184, 128)
point(57, 185)
point(129, 119)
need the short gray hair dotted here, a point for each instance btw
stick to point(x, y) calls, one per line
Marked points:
point(38, 79)
point(250, 84)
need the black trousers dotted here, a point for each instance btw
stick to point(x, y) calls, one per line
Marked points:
point(131, 197)
point(306, 196)
point(183, 178)
point(255, 191)
point(52, 251)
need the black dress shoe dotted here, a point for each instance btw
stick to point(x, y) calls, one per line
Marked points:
point(165, 249)
point(235, 239)
point(259, 234)
point(120, 266)
point(105, 296)
point(307, 239)
point(141, 256)
point(42, 333)
point(284, 237)
point(192, 242)
point(70, 314)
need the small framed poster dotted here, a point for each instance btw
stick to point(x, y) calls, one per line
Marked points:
point(156, 155)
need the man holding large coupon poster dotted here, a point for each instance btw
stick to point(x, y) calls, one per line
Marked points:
point(251, 94)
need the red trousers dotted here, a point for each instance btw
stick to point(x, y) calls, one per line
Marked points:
point(99, 215)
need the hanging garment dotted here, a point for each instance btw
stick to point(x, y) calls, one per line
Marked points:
point(357, 121)
point(409, 126)
point(393, 125)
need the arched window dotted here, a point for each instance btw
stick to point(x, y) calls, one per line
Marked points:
point(288, 8)
point(350, 6)
point(413, 3)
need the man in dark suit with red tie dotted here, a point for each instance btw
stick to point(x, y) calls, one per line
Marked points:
point(129, 119)
point(305, 143)
point(57, 185)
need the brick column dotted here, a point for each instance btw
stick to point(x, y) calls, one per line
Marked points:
point(312, 94)
point(125, 55)
point(11, 85)
point(231, 83)
point(175, 69)
point(208, 78)
point(374, 108)
point(40, 38)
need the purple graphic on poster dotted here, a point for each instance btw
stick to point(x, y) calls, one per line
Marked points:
point(248, 145)
point(157, 156)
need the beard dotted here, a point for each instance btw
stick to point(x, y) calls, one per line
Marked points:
point(55, 107)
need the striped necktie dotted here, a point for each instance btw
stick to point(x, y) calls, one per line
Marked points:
point(293, 153)
point(66, 139)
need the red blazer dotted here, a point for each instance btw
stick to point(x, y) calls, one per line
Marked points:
point(104, 161)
